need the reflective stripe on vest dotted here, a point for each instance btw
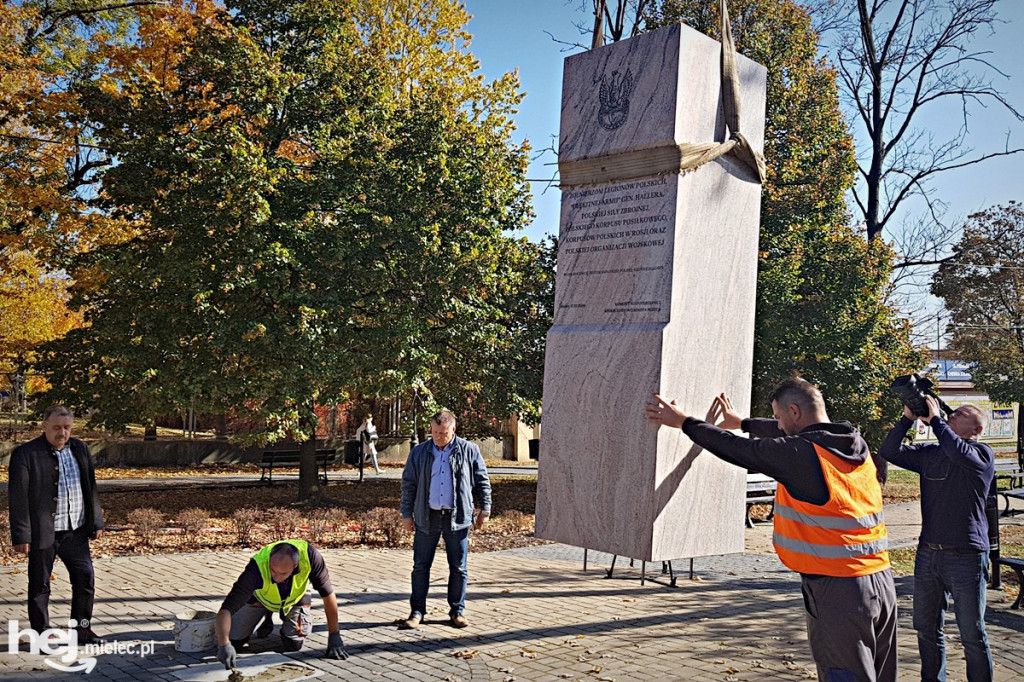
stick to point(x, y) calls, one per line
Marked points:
point(845, 537)
point(269, 595)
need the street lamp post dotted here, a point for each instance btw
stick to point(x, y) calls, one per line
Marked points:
point(414, 439)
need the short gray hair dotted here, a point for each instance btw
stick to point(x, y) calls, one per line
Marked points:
point(975, 412)
point(57, 411)
point(444, 418)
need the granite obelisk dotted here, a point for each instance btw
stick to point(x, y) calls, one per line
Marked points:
point(655, 293)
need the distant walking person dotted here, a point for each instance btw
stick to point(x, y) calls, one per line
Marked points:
point(366, 434)
point(829, 523)
point(55, 511)
point(952, 554)
point(443, 478)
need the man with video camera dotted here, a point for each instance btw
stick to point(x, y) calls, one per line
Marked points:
point(952, 553)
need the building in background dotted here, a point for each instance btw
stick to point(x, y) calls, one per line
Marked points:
point(954, 384)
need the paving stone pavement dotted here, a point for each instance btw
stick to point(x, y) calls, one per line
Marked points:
point(534, 615)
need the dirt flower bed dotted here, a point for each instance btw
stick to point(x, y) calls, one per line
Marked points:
point(350, 515)
point(112, 473)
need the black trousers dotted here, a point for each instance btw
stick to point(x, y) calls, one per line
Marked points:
point(73, 549)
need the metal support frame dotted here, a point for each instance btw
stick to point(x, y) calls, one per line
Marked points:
point(666, 569)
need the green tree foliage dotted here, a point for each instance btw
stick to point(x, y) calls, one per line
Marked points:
point(312, 222)
point(983, 289)
point(822, 309)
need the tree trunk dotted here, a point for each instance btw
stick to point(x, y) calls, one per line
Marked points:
point(597, 40)
point(309, 486)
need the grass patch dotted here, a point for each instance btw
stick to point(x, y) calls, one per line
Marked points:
point(901, 486)
point(1011, 544)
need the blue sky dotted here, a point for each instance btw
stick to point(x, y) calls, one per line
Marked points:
point(511, 34)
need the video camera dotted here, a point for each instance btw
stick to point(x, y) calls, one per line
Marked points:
point(911, 389)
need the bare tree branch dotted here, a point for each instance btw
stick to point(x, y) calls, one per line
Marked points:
point(896, 59)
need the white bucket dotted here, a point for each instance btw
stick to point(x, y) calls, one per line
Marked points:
point(193, 631)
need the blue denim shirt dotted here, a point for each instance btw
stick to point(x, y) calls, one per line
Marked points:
point(469, 481)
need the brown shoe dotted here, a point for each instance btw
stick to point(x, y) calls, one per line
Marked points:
point(459, 621)
point(411, 623)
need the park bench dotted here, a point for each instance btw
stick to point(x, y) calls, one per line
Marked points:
point(1018, 567)
point(1010, 470)
point(290, 458)
point(760, 490)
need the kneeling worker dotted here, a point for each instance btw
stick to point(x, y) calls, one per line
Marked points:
point(275, 581)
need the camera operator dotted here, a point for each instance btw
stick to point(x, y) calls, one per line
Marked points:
point(952, 554)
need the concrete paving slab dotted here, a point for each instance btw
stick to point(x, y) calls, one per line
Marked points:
point(534, 613)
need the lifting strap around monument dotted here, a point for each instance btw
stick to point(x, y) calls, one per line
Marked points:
point(681, 158)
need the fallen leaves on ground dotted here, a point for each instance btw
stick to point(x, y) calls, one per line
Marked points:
point(512, 496)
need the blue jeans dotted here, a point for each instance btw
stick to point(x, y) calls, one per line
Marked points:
point(939, 575)
point(424, 545)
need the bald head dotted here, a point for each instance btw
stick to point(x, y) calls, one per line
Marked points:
point(284, 560)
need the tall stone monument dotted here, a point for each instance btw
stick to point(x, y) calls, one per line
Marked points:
point(655, 290)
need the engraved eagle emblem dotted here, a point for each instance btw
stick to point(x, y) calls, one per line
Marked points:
point(614, 97)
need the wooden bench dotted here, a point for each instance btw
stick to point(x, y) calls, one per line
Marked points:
point(760, 490)
point(291, 458)
point(1010, 470)
point(1018, 567)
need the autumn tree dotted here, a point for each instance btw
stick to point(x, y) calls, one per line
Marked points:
point(33, 307)
point(48, 164)
point(48, 168)
point(983, 289)
point(822, 308)
point(325, 189)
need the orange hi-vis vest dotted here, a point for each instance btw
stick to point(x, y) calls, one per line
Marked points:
point(845, 537)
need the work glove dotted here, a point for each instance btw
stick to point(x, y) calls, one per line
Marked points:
point(335, 648)
point(226, 655)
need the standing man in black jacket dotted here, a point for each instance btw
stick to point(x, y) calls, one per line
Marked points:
point(55, 511)
point(952, 554)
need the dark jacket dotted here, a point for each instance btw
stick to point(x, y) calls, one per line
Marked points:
point(790, 460)
point(471, 483)
point(32, 491)
point(956, 475)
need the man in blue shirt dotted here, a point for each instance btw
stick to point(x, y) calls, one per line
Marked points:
point(442, 478)
point(952, 554)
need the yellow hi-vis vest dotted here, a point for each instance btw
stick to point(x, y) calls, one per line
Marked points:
point(845, 537)
point(269, 595)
